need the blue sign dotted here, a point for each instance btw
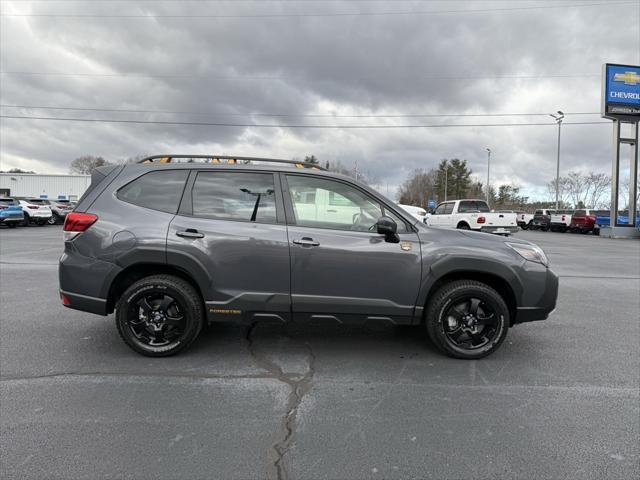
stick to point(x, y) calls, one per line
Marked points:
point(621, 91)
point(432, 204)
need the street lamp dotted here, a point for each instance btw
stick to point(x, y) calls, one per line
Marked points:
point(488, 166)
point(558, 118)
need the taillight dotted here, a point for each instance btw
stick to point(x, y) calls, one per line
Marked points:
point(75, 223)
point(64, 299)
point(481, 220)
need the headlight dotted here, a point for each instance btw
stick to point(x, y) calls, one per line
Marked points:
point(533, 253)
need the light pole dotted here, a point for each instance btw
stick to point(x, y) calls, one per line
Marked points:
point(488, 166)
point(558, 118)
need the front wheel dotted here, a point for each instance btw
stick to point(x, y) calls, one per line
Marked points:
point(54, 219)
point(159, 315)
point(467, 319)
point(25, 220)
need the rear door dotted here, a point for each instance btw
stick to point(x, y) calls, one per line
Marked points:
point(340, 266)
point(230, 232)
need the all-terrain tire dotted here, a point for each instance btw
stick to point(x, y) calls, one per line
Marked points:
point(457, 291)
point(186, 297)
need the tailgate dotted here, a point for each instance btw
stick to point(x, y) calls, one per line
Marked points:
point(500, 219)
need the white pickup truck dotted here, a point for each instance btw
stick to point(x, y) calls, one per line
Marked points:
point(418, 212)
point(561, 220)
point(472, 215)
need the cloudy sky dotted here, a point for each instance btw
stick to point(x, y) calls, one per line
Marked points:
point(252, 77)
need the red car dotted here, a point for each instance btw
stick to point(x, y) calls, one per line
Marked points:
point(583, 220)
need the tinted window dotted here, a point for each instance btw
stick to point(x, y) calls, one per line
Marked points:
point(8, 201)
point(242, 196)
point(159, 190)
point(335, 205)
point(448, 208)
point(539, 212)
point(579, 213)
point(466, 206)
point(440, 209)
point(481, 206)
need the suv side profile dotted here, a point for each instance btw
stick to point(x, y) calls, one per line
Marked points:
point(179, 240)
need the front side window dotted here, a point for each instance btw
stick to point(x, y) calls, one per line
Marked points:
point(240, 196)
point(159, 190)
point(440, 209)
point(448, 208)
point(335, 205)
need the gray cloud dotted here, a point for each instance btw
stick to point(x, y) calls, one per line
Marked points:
point(390, 65)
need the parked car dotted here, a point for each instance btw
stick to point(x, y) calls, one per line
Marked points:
point(10, 212)
point(169, 246)
point(418, 212)
point(542, 219)
point(35, 210)
point(472, 215)
point(560, 220)
point(59, 209)
point(583, 220)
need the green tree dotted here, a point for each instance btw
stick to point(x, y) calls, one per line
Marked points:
point(455, 176)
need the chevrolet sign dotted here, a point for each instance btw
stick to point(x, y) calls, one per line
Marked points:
point(621, 92)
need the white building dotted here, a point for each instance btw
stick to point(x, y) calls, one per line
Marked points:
point(43, 185)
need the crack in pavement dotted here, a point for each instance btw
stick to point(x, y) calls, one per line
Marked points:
point(299, 385)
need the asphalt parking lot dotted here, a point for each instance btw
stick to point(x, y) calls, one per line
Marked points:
point(560, 399)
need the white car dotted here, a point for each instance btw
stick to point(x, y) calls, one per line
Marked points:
point(469, 214)
point(35, 210)
point(418, 212)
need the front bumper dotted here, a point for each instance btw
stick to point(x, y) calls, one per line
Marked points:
point(498, 229)
point(545, 304)
point(11, 219)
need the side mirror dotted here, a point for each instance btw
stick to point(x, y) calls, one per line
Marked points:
point(388, 227)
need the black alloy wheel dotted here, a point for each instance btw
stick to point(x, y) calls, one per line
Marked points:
point(467, 319)
point(159, 315)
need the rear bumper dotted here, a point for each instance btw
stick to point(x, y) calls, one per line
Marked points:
point(498, 229)
point(84, 303)
point(545, 305)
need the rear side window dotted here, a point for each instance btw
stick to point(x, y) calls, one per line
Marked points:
point(466, 206)
point(240, 196)
point(159, 190)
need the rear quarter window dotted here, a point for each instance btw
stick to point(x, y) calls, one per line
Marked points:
point(160, 190)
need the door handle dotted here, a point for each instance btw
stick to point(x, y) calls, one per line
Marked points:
point(306, 242)
point(190, 233)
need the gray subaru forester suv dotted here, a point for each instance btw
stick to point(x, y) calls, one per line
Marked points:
point(179, 240)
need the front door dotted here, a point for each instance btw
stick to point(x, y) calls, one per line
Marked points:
point(340, 266)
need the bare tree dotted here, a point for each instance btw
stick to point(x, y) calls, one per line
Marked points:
point(598, 187)
point(419, 188)
point(86, 164)
point(563, 190)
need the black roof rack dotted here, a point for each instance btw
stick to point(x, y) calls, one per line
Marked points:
point(168, 158)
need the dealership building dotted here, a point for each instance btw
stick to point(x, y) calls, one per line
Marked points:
point(43, 185)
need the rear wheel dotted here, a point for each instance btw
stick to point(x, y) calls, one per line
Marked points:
point(159, 316)
point(467, 319)
point(25, 220)
point(463, 226)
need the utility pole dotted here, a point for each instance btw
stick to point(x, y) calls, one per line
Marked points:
point(558, 118)
point(488, 167)
point(446, 179)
